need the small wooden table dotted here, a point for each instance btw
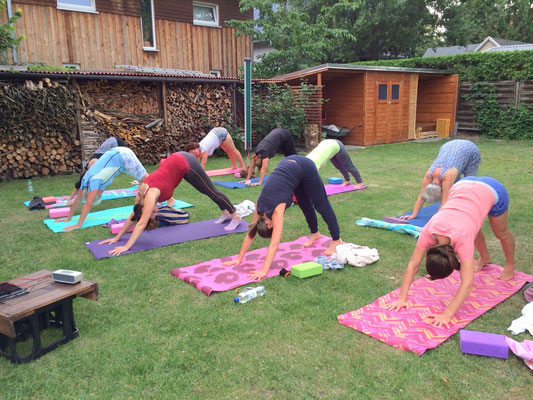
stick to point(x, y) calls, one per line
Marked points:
point(47, 303)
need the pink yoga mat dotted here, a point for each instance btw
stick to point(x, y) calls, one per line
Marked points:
point(336, 189)
point(406, 330)
point(212, 276)
point(223, 171)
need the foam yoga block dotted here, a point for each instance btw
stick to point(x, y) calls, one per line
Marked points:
point(335, 181)
point(307, 269)
point(115, 228)
point(483, 344)
point(59, 212)
point(49, 200)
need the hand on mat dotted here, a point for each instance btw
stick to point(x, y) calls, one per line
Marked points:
point(259, 274)
point(398, 305)
point(232, 262)
point(437, 320)
point(70, 228)
point(65, 219)
point(109, 241)
point(407, 217)
point(118, 250)
point(255, 184)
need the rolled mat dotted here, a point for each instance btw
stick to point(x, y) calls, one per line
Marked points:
point(424, 215)
point(406, 330)
point(62, 201)
point(166, 236)
point(101, 217)
point(212, 276)
point(336, 189)
point(223, 171)
point(238, 185)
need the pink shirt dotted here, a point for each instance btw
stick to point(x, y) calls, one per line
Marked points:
point(460, 218)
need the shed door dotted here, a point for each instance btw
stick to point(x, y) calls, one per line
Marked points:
point(388, 111)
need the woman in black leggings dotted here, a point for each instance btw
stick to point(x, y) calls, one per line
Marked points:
point(298, 175)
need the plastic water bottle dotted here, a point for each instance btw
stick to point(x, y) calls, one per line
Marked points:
point(30, 186)
point(249, 293)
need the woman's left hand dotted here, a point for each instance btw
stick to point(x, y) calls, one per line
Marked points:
point(257, 275)
point(118, 250)
point(437, 320)
point(70, 228)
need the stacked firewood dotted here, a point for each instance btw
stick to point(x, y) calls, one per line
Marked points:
point(38, 129)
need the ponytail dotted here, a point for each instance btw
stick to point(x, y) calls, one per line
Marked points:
point(260, 226)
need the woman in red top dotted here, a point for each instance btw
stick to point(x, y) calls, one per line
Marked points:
point(159, 186)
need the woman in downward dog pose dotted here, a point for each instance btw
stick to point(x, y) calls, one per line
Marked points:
point(298, 175)
point(334, 151)
point(449, 238)
point(159, 187)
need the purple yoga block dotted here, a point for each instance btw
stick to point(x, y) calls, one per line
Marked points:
point(483, 344)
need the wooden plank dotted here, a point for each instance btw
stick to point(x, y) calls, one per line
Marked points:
point(125, 40)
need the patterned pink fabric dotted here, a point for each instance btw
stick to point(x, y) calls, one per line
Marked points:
point(524, 350)
point(406, 330)
point(336, 189)
point(212, 276)
point(223, 171)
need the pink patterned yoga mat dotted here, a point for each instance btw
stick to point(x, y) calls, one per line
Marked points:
point(336, 189)
point(212, 276)
point(406, 330)
point(223, 171)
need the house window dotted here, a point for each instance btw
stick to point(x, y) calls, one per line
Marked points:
point(382, 92)
point(214, 73)
point(395, 92)
point(205, 14)
point(148, 25)
point(77, 5)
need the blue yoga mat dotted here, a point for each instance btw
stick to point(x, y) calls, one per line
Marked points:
point(237, 185)
point(424, 215)
point(101, 217)
point(106, 195)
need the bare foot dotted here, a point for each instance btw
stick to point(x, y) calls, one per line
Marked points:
point(345, 183)
point(359, 185)
point(480, 263)
point(507, 273)
point(313, 237)
point(332, 247)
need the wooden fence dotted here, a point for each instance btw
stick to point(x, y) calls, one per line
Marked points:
point(507, 92)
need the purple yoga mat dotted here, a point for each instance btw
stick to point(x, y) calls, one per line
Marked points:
point(165, 236)
point(336, 189)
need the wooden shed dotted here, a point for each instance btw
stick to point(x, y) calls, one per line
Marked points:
point(382, 104)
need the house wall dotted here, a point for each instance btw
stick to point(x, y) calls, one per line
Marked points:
point(437, 99)
point(86, 38)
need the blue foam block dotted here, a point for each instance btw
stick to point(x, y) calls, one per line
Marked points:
point(335, 181)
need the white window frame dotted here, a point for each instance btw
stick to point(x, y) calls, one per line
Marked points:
point(73, 7)
point(154, 46)
point(215, 72)
point(206, 23)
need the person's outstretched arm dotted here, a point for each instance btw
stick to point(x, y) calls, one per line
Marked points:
point(447, 182)
point(203, 159)
point(84, 211)
point(75, 204)
point(420, 201)
point(246, 243)
point(262, 172)
point(125, 228)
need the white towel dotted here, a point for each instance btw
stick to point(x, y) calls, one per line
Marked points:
point(355, 255)
point(524, 322)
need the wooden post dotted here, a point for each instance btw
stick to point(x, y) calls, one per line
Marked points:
point(164, 102)
point(319, 79)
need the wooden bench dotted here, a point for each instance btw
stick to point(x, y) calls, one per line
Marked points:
point(46, 303)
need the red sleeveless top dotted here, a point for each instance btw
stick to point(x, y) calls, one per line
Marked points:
point(169, 175)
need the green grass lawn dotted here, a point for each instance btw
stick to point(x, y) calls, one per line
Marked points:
point(151, 335)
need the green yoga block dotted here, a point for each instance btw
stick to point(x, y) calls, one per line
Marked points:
point(307, 269)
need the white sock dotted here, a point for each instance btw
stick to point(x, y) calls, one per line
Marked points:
point(223, 218)
point(233, 224)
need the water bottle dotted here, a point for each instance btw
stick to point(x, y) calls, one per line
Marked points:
point(30, 186)
point(249, 293)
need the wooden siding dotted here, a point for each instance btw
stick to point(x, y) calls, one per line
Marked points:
point(313, 113)
point(86, 39)
point(173, 10)
point(343, 105)
point(437, 99)
point(412, 106)
point(123, 7)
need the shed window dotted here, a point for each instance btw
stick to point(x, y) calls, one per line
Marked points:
point(77, 5)
point(395, 92)
point(382, 92)
point(148, 24)
point(205, 14)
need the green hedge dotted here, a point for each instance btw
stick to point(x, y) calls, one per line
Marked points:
point(473, 67)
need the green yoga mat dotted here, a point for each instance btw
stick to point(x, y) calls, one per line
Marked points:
point(101, 217)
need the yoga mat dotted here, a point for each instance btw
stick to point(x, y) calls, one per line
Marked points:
point(101, 217)
point(212, 276)
point(165, 236)
point(238, 185)
point(336, 189)
point(61, 201)
point(406, 330)
point(424, 215)
point(223, 171)
point(400, 228)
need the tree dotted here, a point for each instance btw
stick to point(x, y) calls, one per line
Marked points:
point(8, 40)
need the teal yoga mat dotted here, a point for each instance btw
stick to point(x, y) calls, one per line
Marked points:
point(101, 217)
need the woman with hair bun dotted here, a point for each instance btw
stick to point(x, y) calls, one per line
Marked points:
point(298, 175)
point(449, 238)
point(159, 186)
point(456, 157)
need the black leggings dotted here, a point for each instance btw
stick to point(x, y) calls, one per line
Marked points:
point(201, 182)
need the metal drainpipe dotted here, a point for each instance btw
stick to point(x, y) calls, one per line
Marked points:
point(9, 15)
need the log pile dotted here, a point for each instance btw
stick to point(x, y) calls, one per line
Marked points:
point(38, 132)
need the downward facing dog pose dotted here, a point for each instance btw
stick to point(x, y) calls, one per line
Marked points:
point(278, 139)
point(298, 175)
point(159, 186)
point(449, 238)
point(108, 144)
point(457, 157)
point(99, 176)
point(334, 150)
point(217, 137)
